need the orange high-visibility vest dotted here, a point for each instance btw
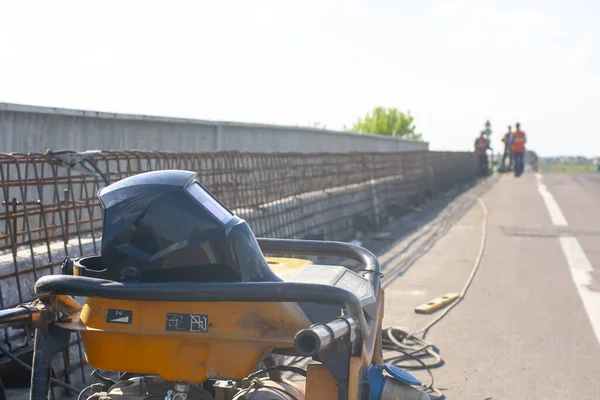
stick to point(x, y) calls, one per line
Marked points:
point(519, 140)
point(481, 145)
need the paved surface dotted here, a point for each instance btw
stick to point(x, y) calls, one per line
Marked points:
point(522, 331)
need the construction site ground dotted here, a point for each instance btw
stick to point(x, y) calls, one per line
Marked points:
point(521, 331)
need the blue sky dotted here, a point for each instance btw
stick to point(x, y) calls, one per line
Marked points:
point(452, 63)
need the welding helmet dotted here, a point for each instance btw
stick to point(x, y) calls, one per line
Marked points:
point(165, 226)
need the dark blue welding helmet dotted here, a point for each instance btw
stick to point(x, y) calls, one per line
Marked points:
point(164, 226)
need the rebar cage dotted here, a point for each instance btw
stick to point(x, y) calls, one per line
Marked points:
point(50, 211)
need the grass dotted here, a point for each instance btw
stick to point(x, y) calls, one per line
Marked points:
point(566, 168)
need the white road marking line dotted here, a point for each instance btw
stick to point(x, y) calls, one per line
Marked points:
point(581, 272)
point(556, 215)
point(579, 265)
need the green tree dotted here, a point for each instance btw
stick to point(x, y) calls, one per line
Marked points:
point(389, 122)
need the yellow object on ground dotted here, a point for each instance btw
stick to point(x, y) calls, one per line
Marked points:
point(436, 304)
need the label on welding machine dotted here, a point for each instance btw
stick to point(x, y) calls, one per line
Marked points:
point(114, 316)
point(177, 322)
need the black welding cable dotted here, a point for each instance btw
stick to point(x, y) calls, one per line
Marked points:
point(287, 368)
point(27, 366)
point(430, 389)
point(394, 339)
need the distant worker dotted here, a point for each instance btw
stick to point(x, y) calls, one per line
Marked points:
point(482, 145)
point(507, 139)
point(518, 149)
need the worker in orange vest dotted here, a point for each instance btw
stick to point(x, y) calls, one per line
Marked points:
point(482, 144)
point(518, 149)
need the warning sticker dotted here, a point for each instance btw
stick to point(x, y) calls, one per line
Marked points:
point(355, 284)
point(114, 316)
point(178, 322)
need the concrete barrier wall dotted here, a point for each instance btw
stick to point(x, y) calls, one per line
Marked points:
point(25, 129)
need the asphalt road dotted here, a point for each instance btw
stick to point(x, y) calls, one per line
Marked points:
point(524, 330)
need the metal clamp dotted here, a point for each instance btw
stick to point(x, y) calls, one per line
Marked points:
point(80, 161)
